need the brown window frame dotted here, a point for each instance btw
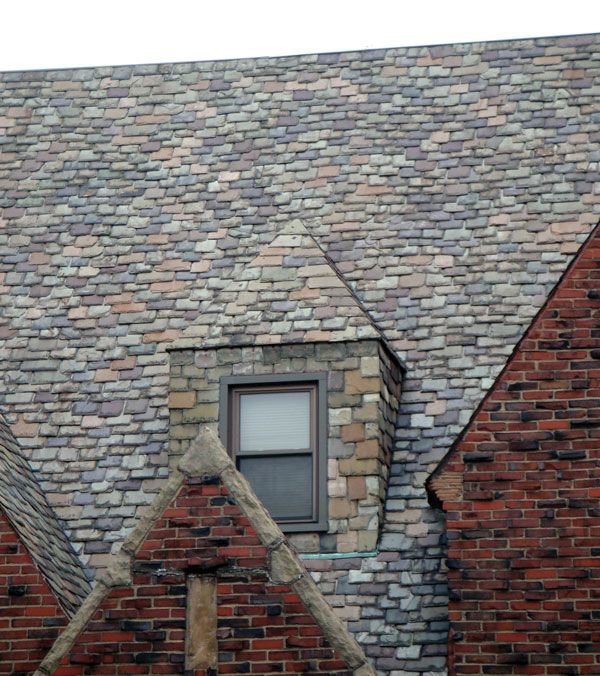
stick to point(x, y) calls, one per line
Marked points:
point(229, 420)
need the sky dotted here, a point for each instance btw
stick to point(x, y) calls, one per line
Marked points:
point(42, 34)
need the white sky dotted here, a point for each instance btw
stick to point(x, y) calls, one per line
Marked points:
point(74, 33)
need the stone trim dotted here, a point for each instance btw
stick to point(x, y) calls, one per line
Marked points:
point(67, 638)
point(285, 564)
point(207, 456)
point(183, 344)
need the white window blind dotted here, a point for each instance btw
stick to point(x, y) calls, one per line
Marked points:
point(271, 421)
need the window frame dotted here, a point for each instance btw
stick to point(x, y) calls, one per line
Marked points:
point(232, 386)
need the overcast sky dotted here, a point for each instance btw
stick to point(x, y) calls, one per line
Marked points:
point(70, 33)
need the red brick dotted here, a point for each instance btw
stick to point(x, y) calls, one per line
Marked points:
point(259, 623)
point(521, 491)
point(25, 636)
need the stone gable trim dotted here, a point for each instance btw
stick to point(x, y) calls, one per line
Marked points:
point(443, 485)
point(207, 456)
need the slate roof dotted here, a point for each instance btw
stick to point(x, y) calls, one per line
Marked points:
point(288, 293)
point(29, 513)
point(450, 185)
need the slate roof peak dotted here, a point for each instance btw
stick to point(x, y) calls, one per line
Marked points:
point(290, 292)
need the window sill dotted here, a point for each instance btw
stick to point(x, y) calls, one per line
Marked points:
point(314, 527)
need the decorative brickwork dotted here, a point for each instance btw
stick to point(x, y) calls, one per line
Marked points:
point(30, 616)
point(270, 617)
point(363, 391)
point(523, 524)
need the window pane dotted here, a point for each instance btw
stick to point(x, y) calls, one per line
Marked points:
point(283, 484)
point(271, 421)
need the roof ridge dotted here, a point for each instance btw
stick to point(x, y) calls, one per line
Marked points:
point(207, 456)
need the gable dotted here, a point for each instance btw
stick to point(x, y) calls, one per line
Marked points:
point(207, 522)
point(520, 489)
point(547, 391)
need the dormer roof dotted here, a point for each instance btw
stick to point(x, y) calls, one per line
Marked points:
point(290, 292)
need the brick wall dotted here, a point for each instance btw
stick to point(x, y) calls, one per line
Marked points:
point(363, 389)
point(30, 617)
point(263, 627)
point(524, 522)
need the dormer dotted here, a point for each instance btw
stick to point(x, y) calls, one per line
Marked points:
point(303, 389)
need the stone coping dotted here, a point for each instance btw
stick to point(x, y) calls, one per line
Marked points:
point(207, 456)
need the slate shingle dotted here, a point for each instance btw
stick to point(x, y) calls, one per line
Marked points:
point(29, 513)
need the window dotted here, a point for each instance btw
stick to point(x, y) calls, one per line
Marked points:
point(275, 429)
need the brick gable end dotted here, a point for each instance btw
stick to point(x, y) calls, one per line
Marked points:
point(524, 521)
point(30, 617)
point(262, 626)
